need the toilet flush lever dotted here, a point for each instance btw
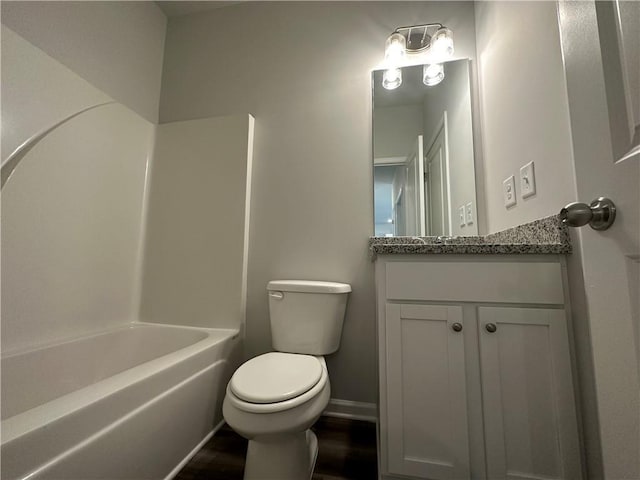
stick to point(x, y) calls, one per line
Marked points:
point(276, 295)
point(599, 215)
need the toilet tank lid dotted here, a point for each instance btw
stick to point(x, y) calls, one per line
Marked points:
point(308, 286)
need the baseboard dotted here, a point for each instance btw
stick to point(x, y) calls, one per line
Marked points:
point(195, 450)
point(353, 410)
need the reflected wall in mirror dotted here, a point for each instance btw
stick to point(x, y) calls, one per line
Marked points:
point(423, 163)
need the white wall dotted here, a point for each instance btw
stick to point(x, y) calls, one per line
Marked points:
point(71, 212)
point(197, 227)
point(453, 95)
point(524, 109)
point(395, 130)
point(37, 91)
point(303, 70)
point(116, 46)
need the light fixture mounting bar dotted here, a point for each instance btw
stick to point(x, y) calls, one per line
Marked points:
point(419, 41)
point(426, 25)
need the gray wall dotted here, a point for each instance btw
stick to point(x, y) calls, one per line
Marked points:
point(395, 130)
point(303, 70)
point(524, 109)
point(116, 46)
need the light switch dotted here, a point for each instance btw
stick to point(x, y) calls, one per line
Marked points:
point(527, 180)
point(469, 208)
point(509, 191)
point(461, 216)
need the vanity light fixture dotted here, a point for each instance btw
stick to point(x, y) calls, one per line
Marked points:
point(432, 74)
point(432, 38)
point(395, 48)
point(442, 43)
point(392, 78)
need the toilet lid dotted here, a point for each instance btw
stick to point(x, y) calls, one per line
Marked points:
point(275, 377)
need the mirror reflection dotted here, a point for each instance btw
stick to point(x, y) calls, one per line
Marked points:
point(424, 175)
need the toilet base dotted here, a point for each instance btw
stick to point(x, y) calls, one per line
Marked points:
point(289, 456)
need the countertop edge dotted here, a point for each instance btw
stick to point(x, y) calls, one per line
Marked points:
point(544, 236)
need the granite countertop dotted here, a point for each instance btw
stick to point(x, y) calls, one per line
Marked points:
point(545, 236)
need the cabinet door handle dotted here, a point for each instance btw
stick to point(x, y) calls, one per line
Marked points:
point(491, 327)
point(457, 327)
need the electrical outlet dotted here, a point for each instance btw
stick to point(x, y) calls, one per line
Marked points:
point(509, 191)
point(469, 214)
point(461, 216)
point(527, 180)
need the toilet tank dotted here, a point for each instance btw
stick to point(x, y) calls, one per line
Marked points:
point(307, 316)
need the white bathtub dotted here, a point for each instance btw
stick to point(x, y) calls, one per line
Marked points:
point(129, 403)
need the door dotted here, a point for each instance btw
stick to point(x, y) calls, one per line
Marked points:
point(426, 429)
point(398, 190)
point(399, 215)
point(531, 429)
point(601, 50)
point(415, 190)
point(437, 182)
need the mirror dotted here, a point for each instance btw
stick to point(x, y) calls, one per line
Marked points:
point(423, 163)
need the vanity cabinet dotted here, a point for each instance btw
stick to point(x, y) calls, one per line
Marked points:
point(475, 368)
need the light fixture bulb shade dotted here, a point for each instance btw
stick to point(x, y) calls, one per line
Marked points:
point(395, 49)
point(432, 74)
point(442, 43)
point(392, 78)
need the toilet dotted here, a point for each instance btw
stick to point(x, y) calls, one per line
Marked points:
point(273, 399)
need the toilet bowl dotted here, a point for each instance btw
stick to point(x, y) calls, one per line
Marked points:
point(281, 446)
point(273, 399)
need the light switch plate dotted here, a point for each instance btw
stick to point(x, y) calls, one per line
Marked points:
point(527, 180)
point(469, 212)
point(509, 191)
point(461, 216)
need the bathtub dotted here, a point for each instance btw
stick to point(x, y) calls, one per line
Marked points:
point(133, 402)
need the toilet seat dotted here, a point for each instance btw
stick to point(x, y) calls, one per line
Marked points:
point(293, 396)
point(275, 377)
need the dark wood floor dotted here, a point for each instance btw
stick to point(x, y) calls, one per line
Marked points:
point(346, 451)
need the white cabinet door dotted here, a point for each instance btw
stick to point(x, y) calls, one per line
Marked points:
point(426, 431)
point(529, 410)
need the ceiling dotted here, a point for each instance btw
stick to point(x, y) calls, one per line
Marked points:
point(178, 8)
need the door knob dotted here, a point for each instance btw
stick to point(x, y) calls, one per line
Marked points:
point(457, 327)
point(600, 214)
point(491, 327)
